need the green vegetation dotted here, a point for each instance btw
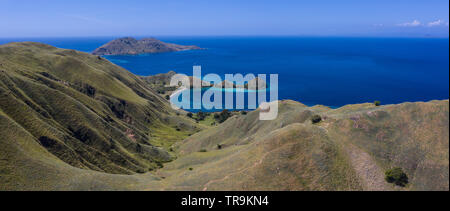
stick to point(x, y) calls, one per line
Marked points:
point(222, 116)
point(377, 103)
point(86, 111)
point(201, 116)
point(205, 119)
point(396, 176)
point(165, 136)
point(316, 119)
point(190, 115)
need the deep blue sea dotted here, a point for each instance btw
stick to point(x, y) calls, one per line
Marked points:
point(327, 71)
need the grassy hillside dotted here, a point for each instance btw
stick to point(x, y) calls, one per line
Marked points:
point(83, 109)
point(73, 121)
point(349, 150)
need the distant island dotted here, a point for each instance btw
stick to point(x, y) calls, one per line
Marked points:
point(132, 46)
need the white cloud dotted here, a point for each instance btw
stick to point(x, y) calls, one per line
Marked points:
point(436, 23)
point(415, 23)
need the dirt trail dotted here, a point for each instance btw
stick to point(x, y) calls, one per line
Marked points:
point(371, 176)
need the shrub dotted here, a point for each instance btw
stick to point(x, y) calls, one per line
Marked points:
point(316, 119)
point(203, 150)
point(377, 103)
point(201, 116)
point(223, 116)
point(219, 146)
point(159, 164)
point(190, 115)
point(190, 169)
point(244, 112)
point(84, 88)
point(167, 97)
point(396, 176)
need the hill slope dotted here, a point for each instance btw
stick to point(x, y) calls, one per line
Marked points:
point(350, 150)
point(83, 109)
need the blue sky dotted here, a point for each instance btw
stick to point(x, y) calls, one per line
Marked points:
point(70, 18)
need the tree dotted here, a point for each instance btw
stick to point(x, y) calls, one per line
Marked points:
point(396, 176)
point(377, 103)
point(223, 116)
point(201, 116)
point(190, 115)
point(316, 119)
point(167, 97)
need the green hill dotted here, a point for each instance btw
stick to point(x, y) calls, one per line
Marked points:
point(74, 121)
point(349, 150)
point(83, 109)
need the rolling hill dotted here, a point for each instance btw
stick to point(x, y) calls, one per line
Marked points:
point(74, 121)
point(83, 109)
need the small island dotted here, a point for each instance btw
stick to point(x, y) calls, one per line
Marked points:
point(162, 81)
point(132, 46)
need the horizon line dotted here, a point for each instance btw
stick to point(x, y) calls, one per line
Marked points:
point(249, 35)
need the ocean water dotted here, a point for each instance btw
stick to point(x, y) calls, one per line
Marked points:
point(327, 71)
